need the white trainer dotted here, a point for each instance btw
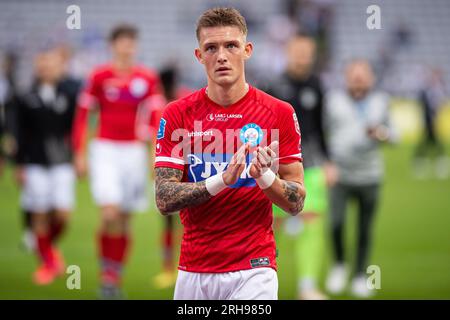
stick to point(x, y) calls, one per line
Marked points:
point(313, 294)
point(337, 279)
point(360, 288)
point(307, 290)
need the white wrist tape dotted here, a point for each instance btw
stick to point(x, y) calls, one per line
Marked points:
point(266, 179)
point(215, 184)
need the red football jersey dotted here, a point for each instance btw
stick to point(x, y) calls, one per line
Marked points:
point(233, 230)
point(129, 103)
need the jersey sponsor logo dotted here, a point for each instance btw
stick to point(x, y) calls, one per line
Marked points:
point(297, 126)
point(203, 166)
point(162, 128)
point(208, 133)
point(138, 87)
point(260, 262)
point(223, 116)
point(251, 133)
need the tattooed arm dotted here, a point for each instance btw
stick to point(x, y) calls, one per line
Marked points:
point(173, 195)
point(288, 191)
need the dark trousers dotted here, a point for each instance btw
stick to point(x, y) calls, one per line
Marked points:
point(367, 199)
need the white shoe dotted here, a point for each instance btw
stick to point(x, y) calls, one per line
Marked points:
point(307, 290)
point(337, 279)
point(313, 294)
point(360, 288)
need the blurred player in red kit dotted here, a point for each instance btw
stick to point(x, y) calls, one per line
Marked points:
point(220, 151)
point(129, 102)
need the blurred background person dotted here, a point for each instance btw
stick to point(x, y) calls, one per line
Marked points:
point(357, 120)
point(7, 92)
point(311, 17)
point(11, 124)
point(8, 145)
point(118, 159)
point(430, 151)
point(43, 120)
point(299, 86)
point(2, 131)
point(173, 90)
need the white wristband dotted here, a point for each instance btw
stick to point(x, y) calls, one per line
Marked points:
point(266, 179)
point(215, 184)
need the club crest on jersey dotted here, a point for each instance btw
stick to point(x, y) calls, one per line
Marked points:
point(162, 128)
point(251, 133)
point(138, 87)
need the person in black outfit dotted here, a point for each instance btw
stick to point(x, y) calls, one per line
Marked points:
point(431, 99)
point(44, 117)
point(299, 86)
point(9, 132)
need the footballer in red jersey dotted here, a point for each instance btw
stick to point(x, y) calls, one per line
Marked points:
point(218, 154)
point(129, 103)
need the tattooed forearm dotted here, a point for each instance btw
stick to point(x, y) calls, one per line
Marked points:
point(173, 195)
point(294, 196)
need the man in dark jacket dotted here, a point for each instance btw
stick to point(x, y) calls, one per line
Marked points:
point(44, 117)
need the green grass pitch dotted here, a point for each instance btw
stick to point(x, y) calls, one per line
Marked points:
point(411, 243)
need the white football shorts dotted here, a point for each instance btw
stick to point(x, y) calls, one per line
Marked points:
point(252, 284)
point(48, 188)
point(118, 173)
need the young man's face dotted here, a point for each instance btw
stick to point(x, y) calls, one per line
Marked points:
point(124, 47)
point(223, 51)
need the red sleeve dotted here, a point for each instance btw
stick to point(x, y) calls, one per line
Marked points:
point(155, 88)
point(169, 146)
point(157, 102)
point(86, 101)
point(151, 109)
point(289, 135)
